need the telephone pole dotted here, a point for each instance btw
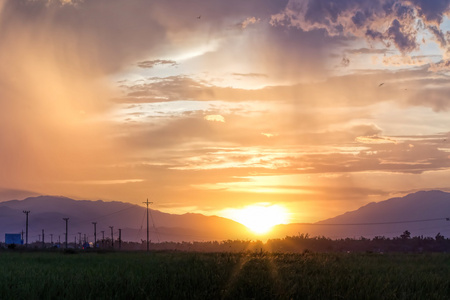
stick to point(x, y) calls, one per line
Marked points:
point(112, 236)
point(95, 234)
point(67, 229)
point(79, 239)
point(120, 238)
point(26, 230)
point(51, 238)
point(147, 223)
point(103, 238)
point(43, 240)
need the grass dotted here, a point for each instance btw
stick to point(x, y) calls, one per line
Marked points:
point(181, 275)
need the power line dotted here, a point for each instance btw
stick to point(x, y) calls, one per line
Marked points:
point(153, 222)
point(374, 223)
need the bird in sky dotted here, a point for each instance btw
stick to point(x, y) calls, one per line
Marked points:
point(199, 17)
point(380, 84)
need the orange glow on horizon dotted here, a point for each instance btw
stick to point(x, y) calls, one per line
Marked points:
point(259, 218)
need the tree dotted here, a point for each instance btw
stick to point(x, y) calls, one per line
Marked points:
point(405, 235)
point(439, 237)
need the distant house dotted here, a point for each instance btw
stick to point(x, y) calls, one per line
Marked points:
point(13, 238)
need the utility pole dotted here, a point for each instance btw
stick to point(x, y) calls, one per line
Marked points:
point(84, 242)
point(43, 240)
point(147, 223)
point(120, 238)
point(103, 238)
point(95, 234)
point(112, 236)
point(79, 239)
point(51, 238)
point(26, 224)
point(67, 229)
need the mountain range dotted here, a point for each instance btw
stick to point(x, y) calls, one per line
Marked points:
point(47, 212)
point(423, 213)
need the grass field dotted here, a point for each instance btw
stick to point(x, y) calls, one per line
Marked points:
point(180, 275)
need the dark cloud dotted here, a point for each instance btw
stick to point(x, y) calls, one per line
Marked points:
point(359, 19)
point(439, 35)
point(403, 40)
point(365, 18)
point(374, 35)
point(432, 11)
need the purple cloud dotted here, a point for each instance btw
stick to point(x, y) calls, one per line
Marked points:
point(367, 19)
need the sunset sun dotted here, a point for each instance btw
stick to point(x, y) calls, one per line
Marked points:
point(259, 218)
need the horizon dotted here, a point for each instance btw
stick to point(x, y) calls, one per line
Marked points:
point(385, 219)
point(288, 110)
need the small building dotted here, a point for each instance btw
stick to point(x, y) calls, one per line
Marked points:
point(13, 238)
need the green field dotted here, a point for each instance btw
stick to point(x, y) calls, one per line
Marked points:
point(182, 275)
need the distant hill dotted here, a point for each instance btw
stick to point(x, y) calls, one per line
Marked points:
point(414, 212)
point(46, 212)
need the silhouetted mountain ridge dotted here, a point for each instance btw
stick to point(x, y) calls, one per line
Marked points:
point(46, 212)
point(409, 211)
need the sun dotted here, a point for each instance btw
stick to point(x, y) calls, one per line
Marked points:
point(260, 218)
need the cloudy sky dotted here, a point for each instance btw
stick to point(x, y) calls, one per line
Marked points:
point(319, 106)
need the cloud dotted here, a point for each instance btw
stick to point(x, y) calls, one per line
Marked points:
point(215, 118)
point(405, 60)
point(269, 135)
point(365, 18)
point(345, 62)
point(375, 139)
point(353, 90)
point(432, 11)
point(249, 21)
point(439, 35)
point(58, 126)
point(367, 51)
point(249, 75)
point(147, 64)
point(404, 39)
point(442, 66)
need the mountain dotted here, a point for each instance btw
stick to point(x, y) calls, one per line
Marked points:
point(422, 213)
point(47, 212)
point(415, 212)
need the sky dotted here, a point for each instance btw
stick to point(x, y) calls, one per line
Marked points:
point(208, 106)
